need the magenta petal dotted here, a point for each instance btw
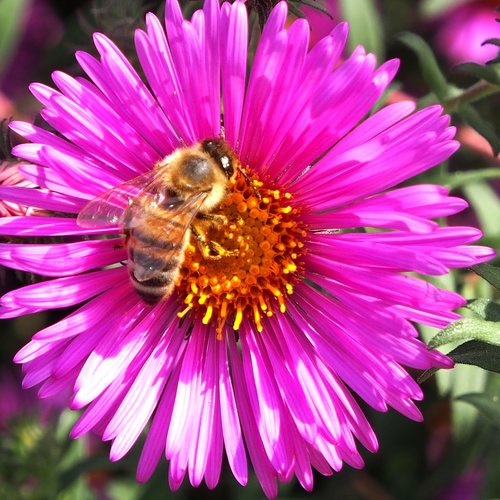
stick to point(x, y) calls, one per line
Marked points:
point(64, 292)
point(231, 428)
point(63, 259)
point(46, 226)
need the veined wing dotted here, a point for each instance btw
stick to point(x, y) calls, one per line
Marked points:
point(111, 207)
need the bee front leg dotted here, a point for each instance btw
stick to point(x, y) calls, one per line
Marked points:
point(210, 249)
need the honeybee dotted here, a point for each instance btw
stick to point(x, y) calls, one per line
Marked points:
point(160, 210)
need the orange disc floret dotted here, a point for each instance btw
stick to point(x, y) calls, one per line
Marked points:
point(264, 238)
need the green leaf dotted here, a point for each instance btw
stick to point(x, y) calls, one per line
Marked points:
point(477, 122)
point(490, 273)
point(455, 180)
point(480, 71)
point(487, 404)
point(468, 329)
point(11, 16)
point(484, 200)
point(433, 8)
point(365, 25)
point(485, 308)
point(479, 354)
point(430, 69)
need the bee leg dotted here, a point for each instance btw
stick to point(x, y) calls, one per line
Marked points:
point(216, 219)
point(219, 219)
point(210, 249)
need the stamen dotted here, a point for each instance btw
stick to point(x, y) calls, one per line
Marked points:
point(262, 258)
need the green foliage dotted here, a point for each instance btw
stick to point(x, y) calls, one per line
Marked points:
point(490, 273)
point(11, 18)
point(431, 72)
point(468, 329)
point(489, 405)
point(490, 74)
point(478, 353)
point(485, 308)
point(32, 460)
point(365, 23)
point(432, 8)
point(473, 118)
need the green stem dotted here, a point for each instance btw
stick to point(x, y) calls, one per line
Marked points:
point(473, 93)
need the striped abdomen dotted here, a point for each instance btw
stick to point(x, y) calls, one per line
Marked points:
point(156, 251)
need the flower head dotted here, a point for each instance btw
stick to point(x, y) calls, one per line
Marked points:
point(261, 348)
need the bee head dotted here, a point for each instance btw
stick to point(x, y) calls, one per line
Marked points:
point(222, 155)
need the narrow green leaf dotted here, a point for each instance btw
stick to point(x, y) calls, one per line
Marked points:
point(459, 179)
point(477, 353)
point(476, 121)
point(433, 8)
point(485, 308)
point(430, 69)
point(465, 379)
point(480, 71)
point(11, 15)
point(468, 329)
point(426, 375)
point(365, 25)
point(490, 273)
point(487, 404)
point(484, 200)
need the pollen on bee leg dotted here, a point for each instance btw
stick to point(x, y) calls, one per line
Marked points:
point(261, 258)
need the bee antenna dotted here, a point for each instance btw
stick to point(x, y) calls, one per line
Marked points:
point(250, 182)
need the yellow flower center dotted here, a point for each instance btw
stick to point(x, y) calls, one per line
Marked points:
point(264, 240)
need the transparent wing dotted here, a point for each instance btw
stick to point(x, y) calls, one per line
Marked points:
point(111, 207)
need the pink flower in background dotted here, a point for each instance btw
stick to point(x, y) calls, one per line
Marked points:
point(40, 29)
point(467, 486)
point(13, 401)
point(10, 176)
point(321, 310)
point(16, 403)
point(463, 30)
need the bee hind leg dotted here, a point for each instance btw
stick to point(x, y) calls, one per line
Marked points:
point(210, 249)
point(218, 220)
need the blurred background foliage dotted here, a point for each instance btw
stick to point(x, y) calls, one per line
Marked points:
point(455, 453)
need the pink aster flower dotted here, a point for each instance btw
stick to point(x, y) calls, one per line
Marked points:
point(321, 310)
point(463, 31)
